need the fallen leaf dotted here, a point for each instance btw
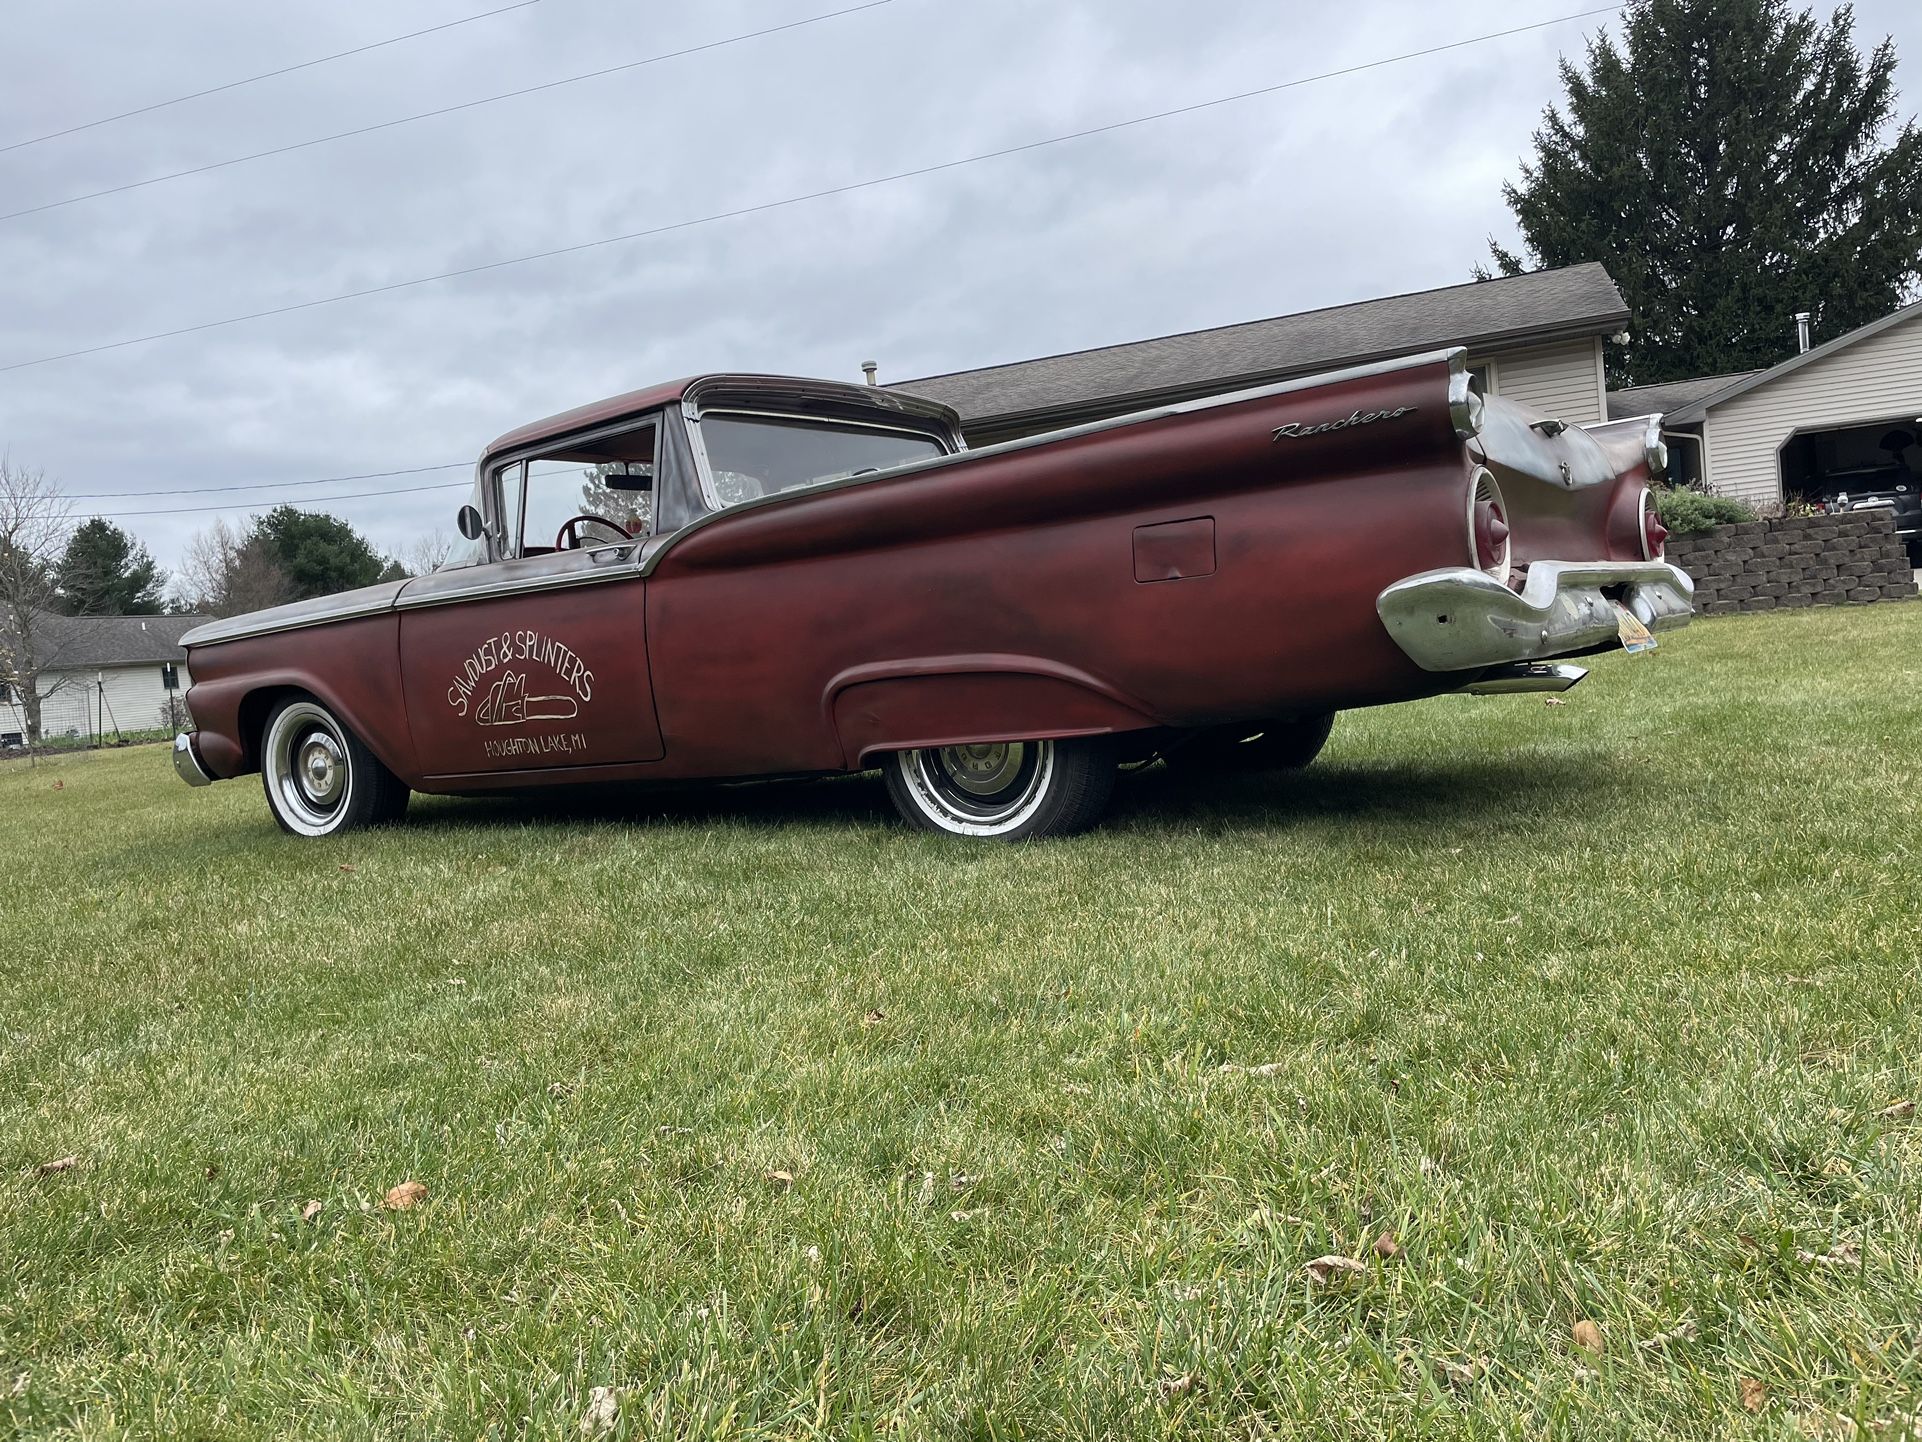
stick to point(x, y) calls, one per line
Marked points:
point(1899, 1112)
point(1755, 1395)
point(1842, 1254)
point(213, 1171)
point(1172, 1387)
point(560, 1089)
point(406, 1195)
point(966, 1216)
point(1077, 1089)
point(779, 1180)
point(20, 1383)
point(603, 1410)
point(874, 1017)
point(1460, 1374)
point(1386, 1245)
point(310, 1211)
point(960, 1181)
point(346, 866)
point(1331, 1270)
point(1553, 701)
point(1683, 1331)
point(62, 1164)
point(1588, 1337)
point(59, 786)
point(813, 1254)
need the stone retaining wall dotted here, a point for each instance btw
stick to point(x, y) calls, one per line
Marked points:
point(1849, 559)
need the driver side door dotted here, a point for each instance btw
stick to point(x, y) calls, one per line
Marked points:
point(536, 659)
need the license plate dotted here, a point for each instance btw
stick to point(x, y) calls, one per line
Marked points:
point(1636, 638)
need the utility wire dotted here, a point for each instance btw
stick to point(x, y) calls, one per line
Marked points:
point(264, 75)
point(269, 505)
point(443, 110)
point(266, 485)
point(823, 194)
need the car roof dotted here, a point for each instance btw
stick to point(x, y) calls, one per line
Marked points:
point(667, 393)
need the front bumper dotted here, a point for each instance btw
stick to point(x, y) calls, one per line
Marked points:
point(1461, 619)
point(187, 763)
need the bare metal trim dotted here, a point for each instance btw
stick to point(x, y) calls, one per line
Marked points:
point(1452, 356)
point(524, 585)
point(1457, 618)
point(321, 611)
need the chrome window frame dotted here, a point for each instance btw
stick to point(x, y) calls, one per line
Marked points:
point(493, 466)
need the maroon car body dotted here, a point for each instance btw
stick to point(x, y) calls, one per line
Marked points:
point(821, 578)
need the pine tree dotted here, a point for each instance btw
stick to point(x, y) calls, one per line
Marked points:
point(1732, 163)
point(106, 572)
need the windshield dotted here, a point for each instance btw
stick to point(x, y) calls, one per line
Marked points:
point(755, 456)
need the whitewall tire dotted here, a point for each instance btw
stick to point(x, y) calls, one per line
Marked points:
point(319, 777)
point(1003, 790)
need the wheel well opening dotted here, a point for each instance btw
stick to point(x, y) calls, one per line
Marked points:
point(255, 708)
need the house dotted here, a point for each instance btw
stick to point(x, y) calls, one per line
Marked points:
point(1536, 338)
point(1828, 420)
point(97, 675)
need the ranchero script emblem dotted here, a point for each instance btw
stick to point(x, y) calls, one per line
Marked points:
point(1294, 430)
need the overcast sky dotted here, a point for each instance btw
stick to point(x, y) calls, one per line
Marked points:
point(1368, 185)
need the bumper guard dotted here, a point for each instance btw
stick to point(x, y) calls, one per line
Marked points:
point(187, 764)
point(1460, 619)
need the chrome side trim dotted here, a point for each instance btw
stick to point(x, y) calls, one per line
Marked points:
point(1452, 355)
point(1525, 677)
point(1457, 618)
point(187, 764)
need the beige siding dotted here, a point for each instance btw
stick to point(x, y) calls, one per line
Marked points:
point(1562, 380)
point(1878, 378)
point(133, 694)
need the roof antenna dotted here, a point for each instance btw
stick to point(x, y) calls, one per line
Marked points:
point(871, 369)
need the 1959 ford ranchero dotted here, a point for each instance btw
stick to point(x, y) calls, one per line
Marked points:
point(744, 576)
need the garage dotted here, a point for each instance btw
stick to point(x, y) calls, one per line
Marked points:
point(1874, 465)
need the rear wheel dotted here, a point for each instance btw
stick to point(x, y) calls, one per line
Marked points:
point(1003, 790)
point(319, 777)
point(1253, 746)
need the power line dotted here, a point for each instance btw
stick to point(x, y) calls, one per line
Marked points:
point(268, 485)
point(786, 201)
point(264, 75)
point(270, 505)
point(443, 110)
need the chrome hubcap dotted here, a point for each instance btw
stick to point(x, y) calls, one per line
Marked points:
point(321, 769)
point(982, 770)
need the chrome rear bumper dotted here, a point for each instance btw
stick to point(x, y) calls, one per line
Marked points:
point(1461, 619)
point(187, 762)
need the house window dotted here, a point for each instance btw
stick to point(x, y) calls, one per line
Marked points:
point(6, 693)
point(1481, 374)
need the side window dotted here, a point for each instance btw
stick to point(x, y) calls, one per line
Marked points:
point(591, 493)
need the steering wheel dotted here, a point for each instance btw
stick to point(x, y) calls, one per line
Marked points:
point(568, 537)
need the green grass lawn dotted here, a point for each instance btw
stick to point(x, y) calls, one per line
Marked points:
point(1593, 1007)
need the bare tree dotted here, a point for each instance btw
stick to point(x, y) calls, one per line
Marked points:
point(34, 527)
point(226, 571)
point(426, 554)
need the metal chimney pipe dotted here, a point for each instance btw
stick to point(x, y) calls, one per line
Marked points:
point(1801, 331)
point(872, 370)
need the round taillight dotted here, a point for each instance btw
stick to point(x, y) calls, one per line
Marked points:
point(1488, 525)
point(1654, 533)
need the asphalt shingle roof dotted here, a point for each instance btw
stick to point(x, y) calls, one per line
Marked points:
point(1668, 396)
point(72, 643)
point(1572, 300)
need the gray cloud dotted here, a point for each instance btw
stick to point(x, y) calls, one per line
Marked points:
point(1370, 184)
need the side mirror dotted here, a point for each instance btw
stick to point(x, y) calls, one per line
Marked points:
point(471, 524)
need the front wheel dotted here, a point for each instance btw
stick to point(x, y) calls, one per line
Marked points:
point(319, 777)
point(1003, 790)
